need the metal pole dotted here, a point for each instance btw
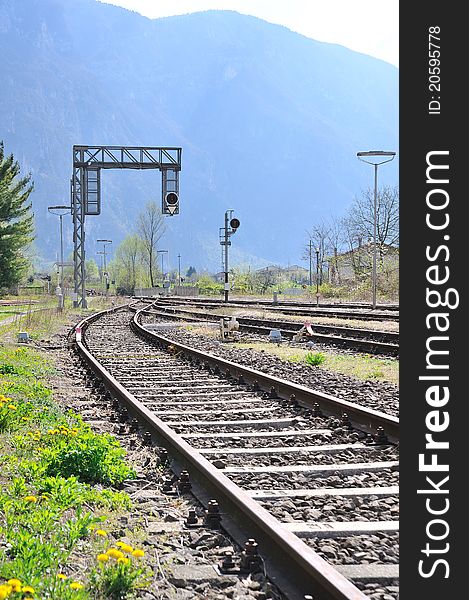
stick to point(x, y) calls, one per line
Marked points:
point(61, 257)
point(317, 277)
point(179, 270)
point(226, 256)
point(310, 263)
point(375, 220)
point(162, 270)
point(372, 154)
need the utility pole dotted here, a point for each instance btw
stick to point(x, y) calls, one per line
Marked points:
point(104, 271)
point(231, 225)
point(317, 276)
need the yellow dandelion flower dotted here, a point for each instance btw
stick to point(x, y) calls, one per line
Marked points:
point(28, 598)
point(75, 585)
point(12, 407)
point(102, 557)
point(113, 553)
point(14, 582)
point(30, 499)
point(123, 560)
point(61, 576)
point(101, 532)
point(4, 589)
point(138, 553)
point(28, 590)
point(126, 548)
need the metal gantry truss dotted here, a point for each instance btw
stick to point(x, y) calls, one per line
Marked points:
point(86, 189)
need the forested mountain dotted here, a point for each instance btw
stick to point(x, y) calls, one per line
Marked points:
point(269, 121)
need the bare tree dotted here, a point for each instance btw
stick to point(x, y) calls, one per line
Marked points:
point(361, 216)
point(336, 239)
point(317, 246)
point(150, 225)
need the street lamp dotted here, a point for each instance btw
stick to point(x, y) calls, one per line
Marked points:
point(388, 157)
point(60, 210)
point(104, 271)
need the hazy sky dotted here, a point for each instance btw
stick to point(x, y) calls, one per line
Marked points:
point(368, 26)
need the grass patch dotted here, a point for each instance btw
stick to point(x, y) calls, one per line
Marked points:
point(57, 487)
point(361, 366)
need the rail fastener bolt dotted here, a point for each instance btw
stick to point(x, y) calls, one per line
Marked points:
point(184, 484)
point(163, 456)
point(345, 421)
point(167, 487)
point(191, 519)
point(227, 564)
point(212, 517)
point(251, 561)
point(316, 410)
point(381, 438)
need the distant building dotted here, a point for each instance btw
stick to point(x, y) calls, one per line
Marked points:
point(356, 264)
point(292, 273)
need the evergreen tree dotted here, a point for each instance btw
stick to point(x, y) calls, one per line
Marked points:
point(16, 220)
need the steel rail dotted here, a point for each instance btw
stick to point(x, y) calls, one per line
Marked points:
point(295, 309)
point(296, 568)
point(289, 329)
point(365, 419)
point(310, 304)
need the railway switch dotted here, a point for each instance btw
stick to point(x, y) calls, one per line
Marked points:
point(229, 329)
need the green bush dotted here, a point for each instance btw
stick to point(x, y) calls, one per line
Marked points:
point(90, 457)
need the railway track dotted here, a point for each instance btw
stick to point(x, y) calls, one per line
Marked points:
point(291, 308)
point(362, 340)
point(313, 479)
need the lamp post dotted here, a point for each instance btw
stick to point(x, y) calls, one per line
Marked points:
point(60, 211)
point(104, 271)
point(317, 276)
point(388, 157)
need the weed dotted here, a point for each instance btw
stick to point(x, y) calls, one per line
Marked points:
point(315, 358)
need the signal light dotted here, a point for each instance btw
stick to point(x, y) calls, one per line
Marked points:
point(235, 223)
point(171, 204)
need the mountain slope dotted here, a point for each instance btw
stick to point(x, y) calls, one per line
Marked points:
point(269, 121)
